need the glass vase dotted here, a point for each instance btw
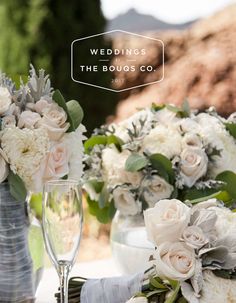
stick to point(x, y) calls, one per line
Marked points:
point(19, 276)
point(131, 249)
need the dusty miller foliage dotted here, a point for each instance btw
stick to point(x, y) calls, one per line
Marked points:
point(38, 87)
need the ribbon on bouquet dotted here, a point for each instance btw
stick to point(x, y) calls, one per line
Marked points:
point(106, 290)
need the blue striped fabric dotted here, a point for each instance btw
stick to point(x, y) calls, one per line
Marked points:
point(16, 283)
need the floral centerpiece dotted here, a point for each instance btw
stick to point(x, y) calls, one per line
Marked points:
point(195, 256)
point(41, 134)
point(158, 153)
point(40, 139)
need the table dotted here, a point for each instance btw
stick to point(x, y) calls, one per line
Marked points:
point(95, 269)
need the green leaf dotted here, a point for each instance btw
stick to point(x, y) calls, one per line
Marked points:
point(156, 283)
point(158, 107)
point(112, 139)
point(98, 186)
point(17, 187)
point(36, 205)
point(76, 114)
point(182, 112)
point(135, 162)
point(94, 140)
point(36, 246)
point(230, 182)
point(186, 108)
point(173, 296)
point(105, 214)
point(103, 197)
point(231, 128)
point(182, 300)
point(164, 167)
point(195, 195)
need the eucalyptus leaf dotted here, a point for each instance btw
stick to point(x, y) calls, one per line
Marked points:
point(231, 127)
point(17, 187)
point(76, 114)
point(229, 178)
point(135, 162)
point(164, 167)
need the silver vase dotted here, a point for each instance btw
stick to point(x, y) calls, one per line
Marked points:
point(16, 271)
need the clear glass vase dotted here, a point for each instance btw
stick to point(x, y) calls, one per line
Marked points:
point(19, 275)
point(131, 249)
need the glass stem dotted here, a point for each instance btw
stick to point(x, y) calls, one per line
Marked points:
point(64, 270)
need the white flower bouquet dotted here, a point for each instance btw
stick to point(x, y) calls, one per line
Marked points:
point(195, 256)
point(159, 153)
point(40, 134)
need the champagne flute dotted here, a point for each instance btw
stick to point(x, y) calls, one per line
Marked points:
point(62, 227)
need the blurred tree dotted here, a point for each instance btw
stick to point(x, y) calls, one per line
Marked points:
point(41, 32)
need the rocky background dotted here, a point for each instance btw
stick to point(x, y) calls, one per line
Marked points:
point(200, 65)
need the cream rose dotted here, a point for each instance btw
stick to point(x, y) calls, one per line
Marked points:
point(167, 220)
point(113, 163)
point(174, 261)
point(194, 237)
point(5, 100)
point(125, 201)
point(54, 121)
point(193, 165)
point(155, 189)
point(163, 140)
point(3, 167)
point(57, 162)
point(28, 119)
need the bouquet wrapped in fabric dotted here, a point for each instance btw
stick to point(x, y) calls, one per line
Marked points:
point(159, 153)
point(194, 260)
point(40, 134)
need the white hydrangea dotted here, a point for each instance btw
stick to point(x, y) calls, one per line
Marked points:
point(74, 140)
point(214, 133)
point(217, 290)
point(25, 150)
point(163, 140)
point(114, 172)
point(226, 222)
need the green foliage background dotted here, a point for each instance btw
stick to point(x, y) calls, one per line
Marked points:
point(41, 32)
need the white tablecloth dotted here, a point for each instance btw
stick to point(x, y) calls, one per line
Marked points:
point(96, 269)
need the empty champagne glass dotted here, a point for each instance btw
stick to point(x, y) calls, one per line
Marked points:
point(62, 226)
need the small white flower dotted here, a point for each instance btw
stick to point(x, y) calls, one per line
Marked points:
point(166, 221)
point(193, 165)
point(192, 140)
point(8, 121)
point(5, 100)
point(163, 140)
point(125, 201)
point(155, 189)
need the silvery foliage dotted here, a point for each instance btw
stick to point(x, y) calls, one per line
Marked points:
point(37, 87)
point(93, 161)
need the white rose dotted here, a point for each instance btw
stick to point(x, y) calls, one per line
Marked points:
point(194, 237)
point(217, 290)
point(193, 165)
point(28, 119)
point(155, 189)
point(166, 221)
point(3, 167)
point(174, 261)
point(5, 100)
point(125, 201)
point(54, 121)
point(163, 140)
point(192, 140)
point(113, 163)
point(138, 300)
